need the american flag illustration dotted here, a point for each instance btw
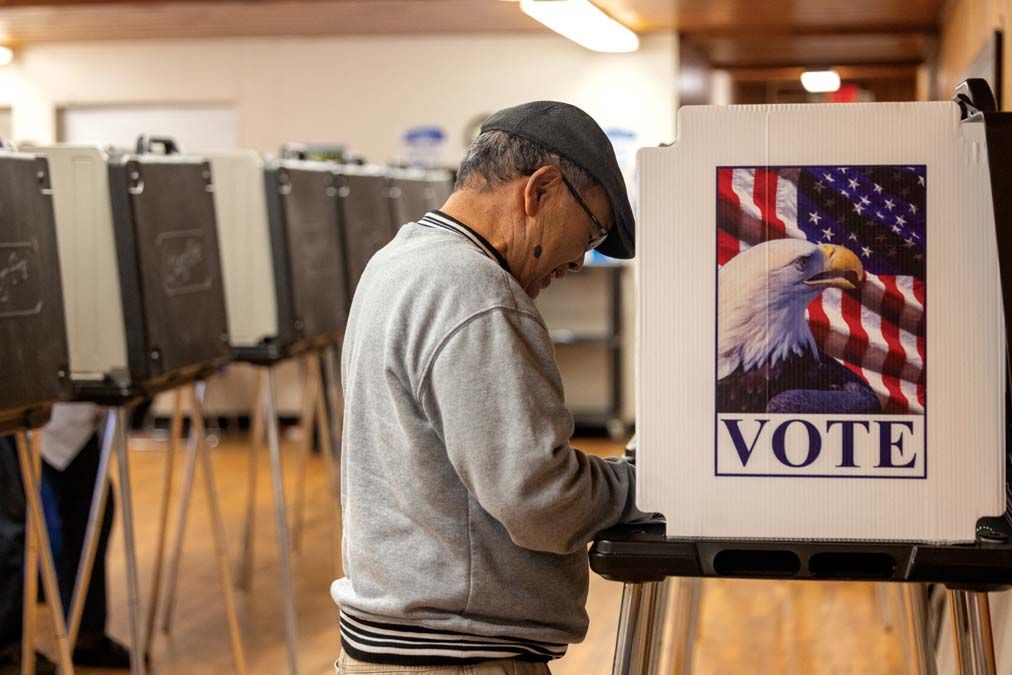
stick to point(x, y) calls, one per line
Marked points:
point(878, 212)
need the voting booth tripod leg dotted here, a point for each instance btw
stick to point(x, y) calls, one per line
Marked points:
point(636, 638)
point(99, 497)
point(217, 524)
point(335, 397)
point(29, 603)
point(971, 623)
point(310, 392)
point(175, 431)
point(29, 460)
point(918, 637)
point(189, 472)
point(270, 419)
point(327, 450)
point(244, 564)
point(684, 624)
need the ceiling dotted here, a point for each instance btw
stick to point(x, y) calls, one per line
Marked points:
point(731, 33)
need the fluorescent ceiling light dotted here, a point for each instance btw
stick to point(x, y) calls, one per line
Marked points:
point(820, 81)
point(6, 55)
point(584, 23)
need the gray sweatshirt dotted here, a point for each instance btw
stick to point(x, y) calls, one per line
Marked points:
point(466, 512)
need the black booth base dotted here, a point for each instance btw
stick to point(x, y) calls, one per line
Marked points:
point(115, 394)
point(269, 353)
point(25, 419)
point(641, 553)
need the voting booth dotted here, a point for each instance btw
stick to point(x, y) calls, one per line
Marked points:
point(139, 258)
point(414, 192)
point(282, 252)
point(788, 423)
point(366, 216)
point(33, 338)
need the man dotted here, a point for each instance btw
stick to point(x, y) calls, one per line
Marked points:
point(466, 512)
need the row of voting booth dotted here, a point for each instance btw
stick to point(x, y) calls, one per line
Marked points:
point(126, 274)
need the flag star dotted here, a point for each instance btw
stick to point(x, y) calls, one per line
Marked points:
point(897, 230)
point(844, 193)
point(828, 234)
point(853, 183)
point(878, 188)
point(913, 208)
point(920, 179)
point(819, 186)
point(814, 217)
point(852, 237)
point(865, 251)
point(890, 204)
point(829, 177)
point(865, 200)
point(881, 237)
point(909, 243)
point(900, 220)
point(915, 235)
point(858, 208)
point(878, 214)
point(842, 169)
point(918, 256)
point(891, 253)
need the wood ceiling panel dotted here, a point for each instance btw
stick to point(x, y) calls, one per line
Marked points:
point(57, 21)
point(816, 50)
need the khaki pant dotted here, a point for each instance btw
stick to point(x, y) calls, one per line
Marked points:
point(349, 666)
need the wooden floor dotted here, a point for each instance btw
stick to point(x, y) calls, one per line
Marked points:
point(746, 627)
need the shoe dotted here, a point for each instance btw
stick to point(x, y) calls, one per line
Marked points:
point(101, 652)
point(10, 662)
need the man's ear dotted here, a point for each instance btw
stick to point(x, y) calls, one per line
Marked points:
point(538, 185)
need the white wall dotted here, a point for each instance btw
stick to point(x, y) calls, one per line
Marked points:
point(364, 91)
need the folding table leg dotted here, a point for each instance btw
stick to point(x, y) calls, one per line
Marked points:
point(971, 622)
point(327, 450)
point(636, 629)
point(172, 581)
point(89, 548)
point(30, 481)
point(175, 431)
point(244, 564)
point(915, 603)
point(281, 519)
point(217, 525)
point(310, 392)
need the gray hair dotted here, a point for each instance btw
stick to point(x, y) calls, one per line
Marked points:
point(497, 157)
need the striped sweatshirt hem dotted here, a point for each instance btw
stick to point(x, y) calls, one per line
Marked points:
point(375, 641)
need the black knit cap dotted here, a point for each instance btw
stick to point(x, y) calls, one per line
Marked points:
point(572, 134)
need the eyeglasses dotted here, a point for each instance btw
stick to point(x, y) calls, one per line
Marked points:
point(601, 233)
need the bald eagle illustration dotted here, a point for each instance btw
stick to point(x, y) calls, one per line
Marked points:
point(767, 358)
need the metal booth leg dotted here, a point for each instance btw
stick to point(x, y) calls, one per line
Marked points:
point(281, 519)
point(310, 392)
point(335, 397)
point(30, 480)
point(217, 524)
point(685, 624)
point(91, 534)
point(244, 564)
point(636, 629)
point(915, 604)
point(327, 450)
point(29, 606)
point(971, 622)
point(172, 580)
point(175, 431)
